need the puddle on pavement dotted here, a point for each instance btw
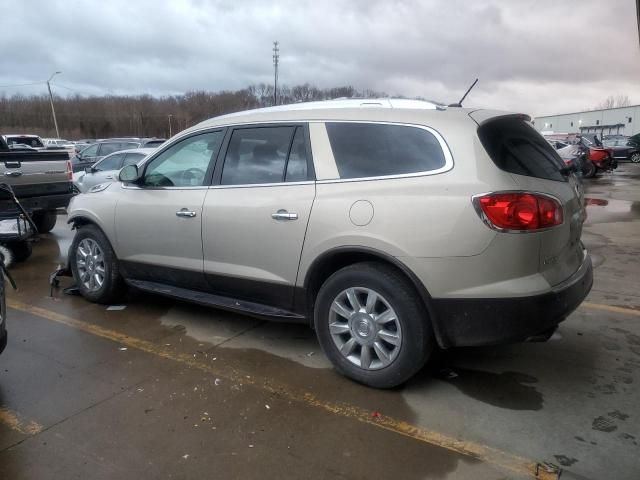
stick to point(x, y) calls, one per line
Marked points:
point(601, 210)
point(510, 390)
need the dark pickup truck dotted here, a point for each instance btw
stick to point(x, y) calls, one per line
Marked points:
point(42, 181)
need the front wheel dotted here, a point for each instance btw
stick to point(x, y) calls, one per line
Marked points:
point(95, 266)
point(635, 157)
point(372, 325)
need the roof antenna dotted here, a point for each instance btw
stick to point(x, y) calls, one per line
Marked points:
point(459, 104)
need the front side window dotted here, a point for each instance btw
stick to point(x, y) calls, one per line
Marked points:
point(113, 162)
point(258, 155)
point(132, 158)
point(364, 150)
point(184, 164)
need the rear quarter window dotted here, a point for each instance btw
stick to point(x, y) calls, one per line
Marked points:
point(363, 150)
point(516, 147)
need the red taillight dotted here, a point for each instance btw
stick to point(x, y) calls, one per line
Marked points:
point(69, 170)
point(519, 210)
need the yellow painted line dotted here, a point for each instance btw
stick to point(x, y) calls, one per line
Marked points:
point(498, 458)
point(611, 308)
point(16, 422)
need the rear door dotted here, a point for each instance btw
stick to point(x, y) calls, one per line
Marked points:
point(516, 147)
point(255, 216)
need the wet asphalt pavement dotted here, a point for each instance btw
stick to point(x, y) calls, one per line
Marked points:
point(163, 389)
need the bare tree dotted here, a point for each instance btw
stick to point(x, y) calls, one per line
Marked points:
point(623, 101)
point(614, 102)
point(144, 115)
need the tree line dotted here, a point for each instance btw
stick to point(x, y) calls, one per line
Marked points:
point(144, 115)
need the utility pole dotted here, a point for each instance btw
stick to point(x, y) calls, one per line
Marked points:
point(55, 122)
point(170, 115)
point(276, 58)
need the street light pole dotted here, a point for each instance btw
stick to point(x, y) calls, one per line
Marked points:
point(53, 111)
point(170, 115)
point(276, 61)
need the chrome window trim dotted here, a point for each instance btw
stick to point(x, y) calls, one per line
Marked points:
point(475, 200)
point(448, 157)
point(254, 185)
point(128, 186)
point(448, 165)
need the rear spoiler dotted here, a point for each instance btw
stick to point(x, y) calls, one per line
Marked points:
point(483, 116)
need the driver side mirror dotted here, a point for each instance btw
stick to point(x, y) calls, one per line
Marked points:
point(89, 169)
point(129, 174)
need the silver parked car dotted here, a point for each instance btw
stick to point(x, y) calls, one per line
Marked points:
point(390, 226)
point(106, 170)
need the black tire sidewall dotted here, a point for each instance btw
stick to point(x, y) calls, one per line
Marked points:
point(112, 280)
point(591, 169)
point(45, 220)
point(417, 336)
point(20, 250)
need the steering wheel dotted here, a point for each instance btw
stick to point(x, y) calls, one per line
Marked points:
point(193, 176)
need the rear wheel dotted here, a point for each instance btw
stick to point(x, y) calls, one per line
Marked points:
point(589, 169)
point(95, 266)
point(635, 157)
point(372, 325)
point(45, 221)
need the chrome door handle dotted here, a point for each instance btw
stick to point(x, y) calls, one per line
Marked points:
point(13, 174)
point(110, 177)
point(284, 215)
point(185, 213)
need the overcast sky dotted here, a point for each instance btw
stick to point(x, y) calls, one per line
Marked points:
point(535, 56)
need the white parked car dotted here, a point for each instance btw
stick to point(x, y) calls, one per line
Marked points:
point(390, 226)
point(106, 170)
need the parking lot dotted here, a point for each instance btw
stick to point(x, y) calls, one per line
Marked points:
point(156, 388)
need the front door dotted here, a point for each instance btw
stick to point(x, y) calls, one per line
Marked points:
point(255, 218)
point(159, 220)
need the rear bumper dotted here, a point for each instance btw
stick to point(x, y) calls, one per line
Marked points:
point(46, 202)
point(490, 321)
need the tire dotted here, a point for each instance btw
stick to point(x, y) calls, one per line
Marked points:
point(7, 255)
point(590, 169)
point(635, 157)
point(45, 221)
point(411, 327)
point(87, 261)
point(20, 250)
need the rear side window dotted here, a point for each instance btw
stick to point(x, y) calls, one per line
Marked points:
point(258, 155)
point(516, 147)
point(107, 148)
point(364, 150)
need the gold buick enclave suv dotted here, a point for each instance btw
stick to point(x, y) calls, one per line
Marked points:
point(389, 226)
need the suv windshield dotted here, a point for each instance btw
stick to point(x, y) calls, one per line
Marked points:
point(516, 147)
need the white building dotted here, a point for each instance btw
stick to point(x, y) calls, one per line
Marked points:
point(611, 121)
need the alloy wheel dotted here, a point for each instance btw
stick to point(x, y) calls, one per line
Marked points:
point(90, 264)
point(365, 328)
